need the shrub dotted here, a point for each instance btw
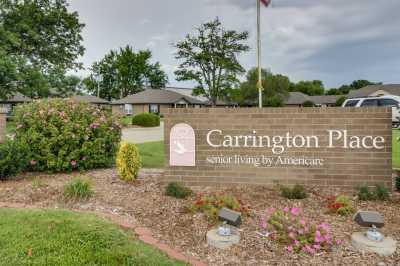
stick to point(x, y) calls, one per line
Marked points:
point(211, 204)
point(379, 192)
point(295, 192)
point(340, 101)
point(64, 135)
point(341, 205)
point(308, 104)
point(128, 161)
point(397, 183)
point(78, 189)
point(288, 228)
point(14, 158)
point(146, 120)
point(177, 190)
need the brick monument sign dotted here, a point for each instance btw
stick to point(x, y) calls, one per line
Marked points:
point(335, 147)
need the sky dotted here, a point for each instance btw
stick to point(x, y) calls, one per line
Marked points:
point(336, 41)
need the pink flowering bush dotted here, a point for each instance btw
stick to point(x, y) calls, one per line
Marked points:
point(64, 135)
point(295, 233)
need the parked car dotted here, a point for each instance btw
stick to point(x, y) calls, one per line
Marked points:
point(383, 101)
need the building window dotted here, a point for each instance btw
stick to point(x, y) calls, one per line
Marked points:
point(154, 109)
point(128, 109)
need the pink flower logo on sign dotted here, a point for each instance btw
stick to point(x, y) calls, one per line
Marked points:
point(182, 146)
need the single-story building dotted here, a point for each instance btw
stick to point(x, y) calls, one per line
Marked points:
point(154, 101)
point(12, 101)
point(85, 98)
point(297, 99)
point(375, 90)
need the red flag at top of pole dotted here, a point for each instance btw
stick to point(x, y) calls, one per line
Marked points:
point(266, 2)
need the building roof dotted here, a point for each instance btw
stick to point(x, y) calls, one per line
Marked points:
point(393, 89)
point(89, 99)
point(298, 98)
point(17, 98)
point(157, 96)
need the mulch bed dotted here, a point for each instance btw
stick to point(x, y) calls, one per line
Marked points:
point(171, 222)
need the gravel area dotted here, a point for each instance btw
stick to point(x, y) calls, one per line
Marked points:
point(172, 222)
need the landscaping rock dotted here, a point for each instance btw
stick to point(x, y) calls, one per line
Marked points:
point(384, 248)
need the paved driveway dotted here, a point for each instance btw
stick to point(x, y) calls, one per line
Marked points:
point(141, 135)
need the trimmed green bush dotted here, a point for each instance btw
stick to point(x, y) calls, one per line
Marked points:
point(379, 192)
point(295, 192)
point(14, 158)
point(64, 135)
point(146, 120)
point(78, 189)
point(178, 190)
point(128, 161)
point(308, 104)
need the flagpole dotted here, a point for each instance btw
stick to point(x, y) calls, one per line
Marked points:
point(259, 83)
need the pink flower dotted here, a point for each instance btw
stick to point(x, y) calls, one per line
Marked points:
point(83, 158)
point(289, 248)
point(324, 226)
point(73, 163)
point(296, 243)
point(317, 247)
point(62, 114)
point(286, 209)
point(300, 231)
point(33, 162)
point(302, 222)
point(295, 211)
point(292, 235)
point(94, 126)
point(339, 242)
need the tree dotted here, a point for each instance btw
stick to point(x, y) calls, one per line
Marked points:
point(275, 88)
point(315, 87)
point(43, 31)
point(356, 85)
point(333, 91)
point(36, 37)
point(125, 72)
point(340, 101)
point(210, 59)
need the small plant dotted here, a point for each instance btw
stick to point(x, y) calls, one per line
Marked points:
point(178, 190)
point(37, 183)
point(78, 189)
point(379, 192)
point(341, 205)
point(397, 183)
point(295, 233)
point(146, 120)
point(211, 204)
point(128, 161)
point(296, 192)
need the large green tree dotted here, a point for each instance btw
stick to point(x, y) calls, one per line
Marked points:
point(125, 72)
point(38, 36)
point(314, 87)
point(356, 85)
point(209, 57)
point(276, 87)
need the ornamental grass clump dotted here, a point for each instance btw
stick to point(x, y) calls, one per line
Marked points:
point(211, 204)
point(290, 229)
point(64, 135)
point(379, 192)
point(78, 189)
point(341, 205)
point(295, 192)
point(128, 161)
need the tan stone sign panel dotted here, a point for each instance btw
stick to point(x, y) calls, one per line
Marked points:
point(312, 146)
point(182, 146)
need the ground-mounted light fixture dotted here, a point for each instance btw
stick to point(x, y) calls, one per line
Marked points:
point(372, 240)
point(231, 217)
point(227, 233)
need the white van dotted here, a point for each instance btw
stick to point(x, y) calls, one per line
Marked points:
point(384, 101)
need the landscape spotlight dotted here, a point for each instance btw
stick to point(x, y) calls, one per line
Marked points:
point(229, 216)
point(373, 220)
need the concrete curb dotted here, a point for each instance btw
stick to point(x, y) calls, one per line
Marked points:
point(143, 233)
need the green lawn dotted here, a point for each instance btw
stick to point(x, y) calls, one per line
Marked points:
point(153, 154)
point(53, 237)
point(396, 148)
